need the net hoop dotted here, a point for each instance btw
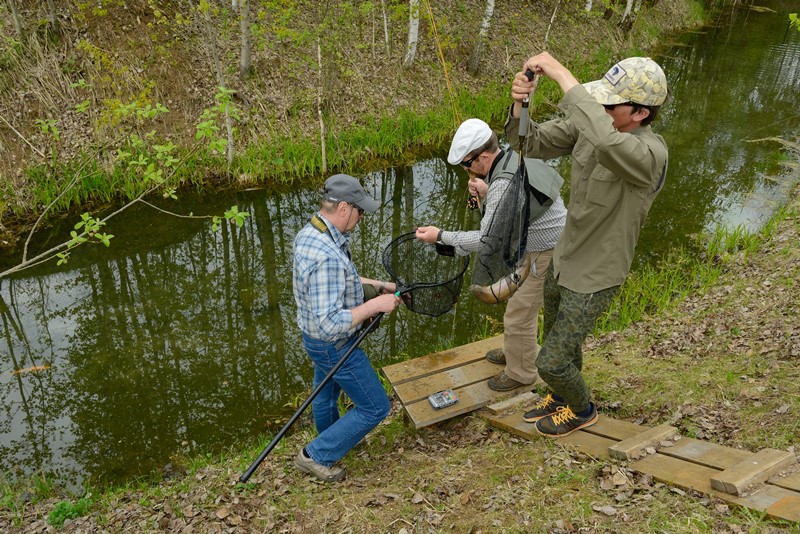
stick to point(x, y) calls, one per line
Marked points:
point(430, 279)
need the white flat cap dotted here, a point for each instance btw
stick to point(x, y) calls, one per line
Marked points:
point(472, 134)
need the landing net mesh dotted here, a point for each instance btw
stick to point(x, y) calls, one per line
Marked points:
point(430, 276)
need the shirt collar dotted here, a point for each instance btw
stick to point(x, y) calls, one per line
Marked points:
point(341, 240)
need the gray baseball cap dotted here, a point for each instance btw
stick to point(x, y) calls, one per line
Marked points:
point(345, 188)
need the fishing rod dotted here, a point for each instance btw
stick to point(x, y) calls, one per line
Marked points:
point(361, 335)
point(523, 114)
point(434, 305)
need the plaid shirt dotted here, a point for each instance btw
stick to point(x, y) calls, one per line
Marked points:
point(326, 283)
point(543, 233)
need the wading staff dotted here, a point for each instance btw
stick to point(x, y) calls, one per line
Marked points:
point(369, 328)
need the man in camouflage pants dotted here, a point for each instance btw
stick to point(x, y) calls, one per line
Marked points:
point(618, 167)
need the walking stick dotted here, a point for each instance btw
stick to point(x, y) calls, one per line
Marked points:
point(370, 327)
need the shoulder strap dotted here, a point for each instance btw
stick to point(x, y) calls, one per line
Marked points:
point(319, 224)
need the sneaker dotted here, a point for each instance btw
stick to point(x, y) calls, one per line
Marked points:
point(503, 382)
point(547, 406)
point(308, 465)
point(496, 356)
point(564, 422)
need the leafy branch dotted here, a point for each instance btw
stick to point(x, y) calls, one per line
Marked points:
point(153, 164)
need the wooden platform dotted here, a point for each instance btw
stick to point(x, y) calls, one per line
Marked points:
point(463, 369)
point(742, 478)
point(767, 480)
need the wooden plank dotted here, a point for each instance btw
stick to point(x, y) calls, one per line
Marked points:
point(690, 473)
point(686, 475)
point(787, 508)
point(502, 406)
point(705, 453)
point(470, 398)
point(457, 377)
point(778, 503)
point(515, 424)
point(635, 445)
point(757, 468)
point(590, 444)
point(605, 427)
point(614, 429)
point(790, 482)
point(441, 361)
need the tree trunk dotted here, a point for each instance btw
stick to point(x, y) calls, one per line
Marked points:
point(624, 23)
point(475, 58)
point(550, 26)
point(212, 44)
point(413, 33)
point(52, 16)
point(15, 16)
point(244, 23)
point(319, 111)
point(386, 28)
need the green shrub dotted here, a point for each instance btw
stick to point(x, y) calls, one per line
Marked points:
point(66, 510)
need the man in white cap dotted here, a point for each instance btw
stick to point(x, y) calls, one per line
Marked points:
point(330, 298)
point(492, 170)
point(618, 167)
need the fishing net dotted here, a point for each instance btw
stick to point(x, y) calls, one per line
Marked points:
point(429, 276)
point(501, 263)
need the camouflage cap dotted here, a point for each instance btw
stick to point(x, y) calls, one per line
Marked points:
point(637, 79)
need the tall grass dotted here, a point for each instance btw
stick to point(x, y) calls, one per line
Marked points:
point(684, 270)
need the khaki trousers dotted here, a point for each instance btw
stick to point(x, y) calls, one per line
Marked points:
point(521, 321)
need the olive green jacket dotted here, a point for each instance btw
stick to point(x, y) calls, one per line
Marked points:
point(614, 179)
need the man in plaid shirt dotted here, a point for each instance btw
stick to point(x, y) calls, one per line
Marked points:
point(331, 305)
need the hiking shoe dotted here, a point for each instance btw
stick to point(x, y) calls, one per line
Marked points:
point(547, 406)
point(322, 472)
point(496, 356)
point(503, 382)
point(564, 422)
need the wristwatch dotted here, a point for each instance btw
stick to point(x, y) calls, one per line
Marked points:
point(439, 238)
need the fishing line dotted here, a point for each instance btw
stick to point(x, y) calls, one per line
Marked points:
point(444, 64)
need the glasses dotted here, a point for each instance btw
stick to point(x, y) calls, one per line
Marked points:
point(611, 107)
point(360, 210)
point(468, 163)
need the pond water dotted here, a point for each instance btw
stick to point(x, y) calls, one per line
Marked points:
point(181, 340)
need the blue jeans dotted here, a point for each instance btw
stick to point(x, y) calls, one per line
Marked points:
point(356, 377)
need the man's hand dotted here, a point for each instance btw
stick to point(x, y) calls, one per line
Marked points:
point(386, 303)
point(429, 234)
point(545, 65)
point(477, 187)
point(548, 66)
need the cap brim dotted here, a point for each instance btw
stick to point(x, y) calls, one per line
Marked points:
point(600, 91)
point(368, 204)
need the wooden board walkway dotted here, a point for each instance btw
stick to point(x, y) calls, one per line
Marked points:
point(758, 481)
point(743, 478)
point(463, 369)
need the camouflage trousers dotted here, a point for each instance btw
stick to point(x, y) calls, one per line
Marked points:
point(568, 318)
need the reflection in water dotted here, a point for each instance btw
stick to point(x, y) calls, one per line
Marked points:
point(190, 342)
point(177, 339)
point(734, 82)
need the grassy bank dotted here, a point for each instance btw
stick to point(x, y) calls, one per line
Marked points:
point(713, 354)
point(119, 83)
